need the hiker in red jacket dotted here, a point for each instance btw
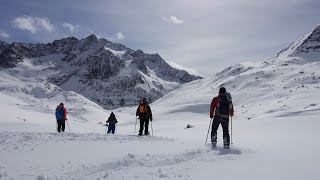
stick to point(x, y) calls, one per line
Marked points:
point(61, 116)
point(220, 110)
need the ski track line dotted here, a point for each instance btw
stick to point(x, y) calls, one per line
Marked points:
point(157, 161)
point(10, 141)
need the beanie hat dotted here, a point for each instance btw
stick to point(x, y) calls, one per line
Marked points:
point(222, 90)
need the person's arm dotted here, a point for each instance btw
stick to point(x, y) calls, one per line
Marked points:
point(213, 106)
point(137, 112)
point(115, 120)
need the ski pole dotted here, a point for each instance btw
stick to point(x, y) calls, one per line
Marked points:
point(68, 126)
point(208, 132)
point(231, 130)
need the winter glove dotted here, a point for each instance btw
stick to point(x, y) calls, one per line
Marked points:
point(150, 119)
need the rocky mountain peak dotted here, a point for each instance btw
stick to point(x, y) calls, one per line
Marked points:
point(92, 37)
point(90, 42)
point(307, 47)
point(107, 73)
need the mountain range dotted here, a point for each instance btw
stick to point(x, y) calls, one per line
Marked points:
point(107, 73)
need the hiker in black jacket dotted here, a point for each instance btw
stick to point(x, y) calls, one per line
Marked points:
point(112, 120)
point(145, 114)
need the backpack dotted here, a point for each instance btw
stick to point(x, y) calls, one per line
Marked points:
point(59, 113)
point(223, 105)
point(142, 109)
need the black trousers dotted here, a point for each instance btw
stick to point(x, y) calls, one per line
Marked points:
point(144, 124)
point(224, 121)
point(61, 125)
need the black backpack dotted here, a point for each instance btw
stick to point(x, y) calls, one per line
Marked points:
point(223, 105)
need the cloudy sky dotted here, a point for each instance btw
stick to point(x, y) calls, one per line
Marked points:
point(205, 35)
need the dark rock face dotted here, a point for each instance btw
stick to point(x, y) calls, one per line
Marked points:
point(312, 42)
point(108, 73)
point(307, 48)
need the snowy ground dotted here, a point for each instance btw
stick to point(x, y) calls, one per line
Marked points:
point(272, 146)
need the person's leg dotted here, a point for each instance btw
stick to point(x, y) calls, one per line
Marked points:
point(109, 128)
point(141, 126)
point(226, 136)
point(63, 123)
point(113, 128)
point(146, 132)
point(59, 126)
point(215, 126)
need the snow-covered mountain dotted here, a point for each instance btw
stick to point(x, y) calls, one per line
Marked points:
point(306, 49)
point(274, 128)
point(107, 73)
point(289, 83)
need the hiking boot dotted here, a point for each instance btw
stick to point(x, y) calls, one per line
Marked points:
point(226, 141)
point(213, 144)
point(226, 146)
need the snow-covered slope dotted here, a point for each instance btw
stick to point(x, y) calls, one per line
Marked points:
point(261, 88)
point(258, 88)
point(30, 101)
point(107, 73)
point(275, 128)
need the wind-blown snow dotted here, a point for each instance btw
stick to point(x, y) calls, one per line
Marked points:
point(116, 53)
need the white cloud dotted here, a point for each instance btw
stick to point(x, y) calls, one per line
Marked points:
point(173, 20)
point(120, 36)
point(33, 24)
point(4, 34)
point(72, 28)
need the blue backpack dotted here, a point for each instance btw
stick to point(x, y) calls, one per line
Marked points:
point(59, 113)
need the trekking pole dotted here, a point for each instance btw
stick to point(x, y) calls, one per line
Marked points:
point(231, 130)
point(68, 126)
point(135, 126)
point(208, 132)
point(151, 129)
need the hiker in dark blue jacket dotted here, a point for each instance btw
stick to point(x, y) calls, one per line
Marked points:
point(61, 116)
point(112, 120)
